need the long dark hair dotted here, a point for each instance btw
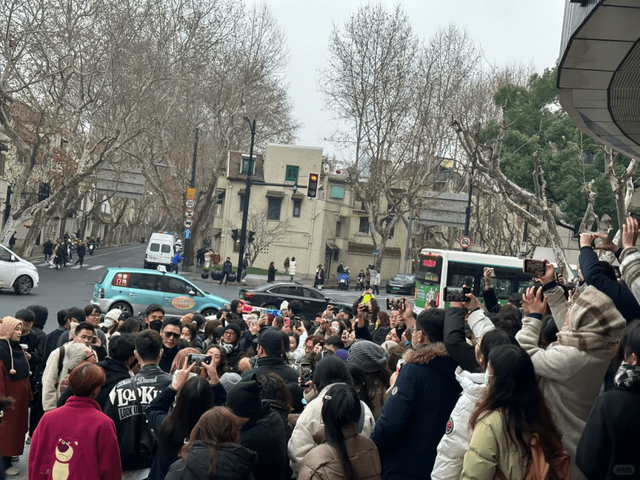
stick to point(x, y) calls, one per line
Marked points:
point(195, 398)
point(514, 392)
point(222, 368)
point(215, 427)
point(330, 370)
point(340, 407)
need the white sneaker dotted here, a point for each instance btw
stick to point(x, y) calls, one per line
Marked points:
point(11, 472)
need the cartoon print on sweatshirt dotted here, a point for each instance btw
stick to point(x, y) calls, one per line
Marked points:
point(65, 450)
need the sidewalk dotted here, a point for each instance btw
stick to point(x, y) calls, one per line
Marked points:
point(256, 280)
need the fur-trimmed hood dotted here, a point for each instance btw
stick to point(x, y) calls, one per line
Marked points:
point(424, 354)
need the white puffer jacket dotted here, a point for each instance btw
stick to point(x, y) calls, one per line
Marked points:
point(455, 442)
point(309, 423)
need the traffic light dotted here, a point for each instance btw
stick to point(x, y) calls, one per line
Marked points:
point(312, 185)
point(252, 236)
point(235, 235)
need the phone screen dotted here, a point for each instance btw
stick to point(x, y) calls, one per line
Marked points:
point(534, 267)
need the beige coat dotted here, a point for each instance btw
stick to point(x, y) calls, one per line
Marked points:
point(309, 423)
point(322, 463)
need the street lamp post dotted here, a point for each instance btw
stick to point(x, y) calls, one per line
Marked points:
point(247, 195)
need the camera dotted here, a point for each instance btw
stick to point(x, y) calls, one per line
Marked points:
point(534, 267)
point(395, 304)
point(198, 358)
point(456, 294)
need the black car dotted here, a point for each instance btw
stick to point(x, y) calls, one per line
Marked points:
point(272, 295)
point(402, 283)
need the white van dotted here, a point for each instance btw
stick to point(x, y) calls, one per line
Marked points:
point(160, 250)
point(16, 272)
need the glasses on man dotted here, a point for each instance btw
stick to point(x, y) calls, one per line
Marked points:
point(95, 314)
point(86, 338)
point(171, 335)
point(91, 355)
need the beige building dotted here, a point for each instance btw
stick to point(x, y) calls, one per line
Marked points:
point(330, 229)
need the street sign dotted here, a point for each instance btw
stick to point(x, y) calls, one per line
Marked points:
point(188, 223)
point(375, 252)
point(465, 242)
point(187, 233)
point(191, 203)
point(191, 193)
point(188, 213)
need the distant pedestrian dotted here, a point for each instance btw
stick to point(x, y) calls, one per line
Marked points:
point(47, 250)
point(292, 268)
point(174, 262)
point(227, 268)
point(340, 268)
point(319, 280)
point(271, 276)
point(81, 250)
point(286, 263)
point(375, 281)
point(12, 241)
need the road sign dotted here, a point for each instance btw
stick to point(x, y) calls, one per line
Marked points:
point(188, 223)
point(187, 233)
point(191, 193)
point(191, 203)
point(375, 252)
point(465, 242)
point(188, 213)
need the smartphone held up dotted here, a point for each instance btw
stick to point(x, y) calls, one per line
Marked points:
point(456, 294)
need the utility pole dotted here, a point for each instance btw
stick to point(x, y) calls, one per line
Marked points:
point(407, 255)
point(467, 219)
point(192, 185)
point(247, 196)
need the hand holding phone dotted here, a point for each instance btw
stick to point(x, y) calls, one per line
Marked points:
point(456, 294)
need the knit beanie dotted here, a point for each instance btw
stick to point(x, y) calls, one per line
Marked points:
point(234, 327)
point(244, 399)
point(113, 316)
point(388, 344)
point(229, 380)
point(342, 354)
point(369, 356)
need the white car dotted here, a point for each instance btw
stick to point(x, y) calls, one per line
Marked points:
point(16, 272)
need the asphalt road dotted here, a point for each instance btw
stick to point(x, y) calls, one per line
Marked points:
point(73, 286)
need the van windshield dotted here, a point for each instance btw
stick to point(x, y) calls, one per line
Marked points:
point(155, 247)
point(166, 248)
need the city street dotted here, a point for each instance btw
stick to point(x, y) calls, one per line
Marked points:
point(73, 286)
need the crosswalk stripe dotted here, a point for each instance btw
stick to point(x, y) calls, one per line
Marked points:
point(96, 267)
point(76, 267)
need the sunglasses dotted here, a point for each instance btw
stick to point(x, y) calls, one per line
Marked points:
point(171, 335)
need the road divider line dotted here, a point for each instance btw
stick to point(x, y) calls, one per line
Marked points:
point(96, 267)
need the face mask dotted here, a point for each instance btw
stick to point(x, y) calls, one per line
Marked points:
point(108, 322)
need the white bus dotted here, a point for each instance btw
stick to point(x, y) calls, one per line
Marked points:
point(441, 268)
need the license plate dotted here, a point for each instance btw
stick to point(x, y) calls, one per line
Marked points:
point(396, 288)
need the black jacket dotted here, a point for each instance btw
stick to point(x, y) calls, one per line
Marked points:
point(264, 434)
point(227, 267)
point(610, 438)
point(273, 365)
point(456, 342)
point(129, 416)
point(167, 358)
point(115, 372)
point(622, 297)
point(233, 462)
point(233, 358)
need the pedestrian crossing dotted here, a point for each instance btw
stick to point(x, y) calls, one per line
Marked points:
point(73, 267)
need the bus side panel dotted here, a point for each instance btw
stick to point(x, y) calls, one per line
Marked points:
point(424, 293)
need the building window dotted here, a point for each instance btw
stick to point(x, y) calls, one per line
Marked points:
point(338, 228)
point(273, 211)
point(242, 197)
point(297, 205)
point(364, 225)
point(337, 191)
point(245, 166)
point(292, 174)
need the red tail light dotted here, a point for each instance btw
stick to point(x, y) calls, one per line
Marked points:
point(249, 295)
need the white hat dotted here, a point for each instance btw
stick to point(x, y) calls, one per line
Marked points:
point(112, 317)
point(284, 305)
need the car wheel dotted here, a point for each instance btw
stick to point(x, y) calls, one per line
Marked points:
point(271, 307)
point(23, 285)
point(208, 312)
point(124, 306)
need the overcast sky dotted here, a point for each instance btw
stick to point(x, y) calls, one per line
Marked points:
point(507, 30)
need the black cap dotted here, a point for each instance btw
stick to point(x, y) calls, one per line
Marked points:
point(270, 339)
point(245, 398)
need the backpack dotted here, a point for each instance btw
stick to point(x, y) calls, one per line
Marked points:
point(558, 467)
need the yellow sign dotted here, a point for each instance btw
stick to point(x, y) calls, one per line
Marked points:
point(191, 193)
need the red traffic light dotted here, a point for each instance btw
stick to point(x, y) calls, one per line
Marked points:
point(312, 185)
point(313, 177)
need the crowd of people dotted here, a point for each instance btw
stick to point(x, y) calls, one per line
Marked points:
point(478, 390)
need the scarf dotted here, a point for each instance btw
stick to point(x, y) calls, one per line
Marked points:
point(595, 325)
point(627, 376)
point(229, 347)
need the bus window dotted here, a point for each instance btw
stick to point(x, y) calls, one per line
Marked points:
point(459, 280)
point(504, 287)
